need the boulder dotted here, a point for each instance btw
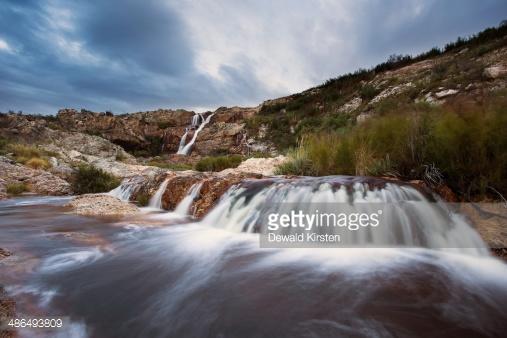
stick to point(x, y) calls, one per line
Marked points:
point(445, 93)
point(261, 166)
point(214, 187)
point(101, 205)
point(495, 72)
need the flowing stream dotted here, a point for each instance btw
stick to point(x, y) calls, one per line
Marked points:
point(141, 277)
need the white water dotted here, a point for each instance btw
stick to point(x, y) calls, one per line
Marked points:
point(183, 207)
point(127, 187)
point(409, 220)
point(186, 149)
point(183, 140)
point(156, 199)
point(196, 120)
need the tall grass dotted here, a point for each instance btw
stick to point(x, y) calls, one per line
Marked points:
point(465, 143)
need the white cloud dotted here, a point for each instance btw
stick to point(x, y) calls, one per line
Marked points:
point(289, 47)
point(5, 47)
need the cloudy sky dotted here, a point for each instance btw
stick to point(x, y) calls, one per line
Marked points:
point(131, 55)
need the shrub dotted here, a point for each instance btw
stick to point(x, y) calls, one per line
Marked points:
point(38, 163)
point(23, 151)
point(464, 142)
point(142, 199)
point(170, 166)
point(89, 179)
point(218, 163)
point(16, 188)
point(368, 92)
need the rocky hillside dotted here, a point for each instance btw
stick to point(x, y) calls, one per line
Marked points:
point(467, 70)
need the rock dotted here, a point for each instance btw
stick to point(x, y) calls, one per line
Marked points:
point(101, 205)
point(489, 220)
point(38, 181)
point(4, 253)
point(7, 310)
point(351, 105)
point(262, 166)
point(391, 91)
point(445, 93)
point(3, 192)
point(136, 131)
point(361, 118)
point(214, 187)
point(495, 72)
point(178, 187)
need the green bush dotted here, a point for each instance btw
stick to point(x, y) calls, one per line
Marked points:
point(16, 188)
point(89, 179)
point(218, 163)
point(465, 143)
point(142, 199)
point(170, 166)
point(368, 92)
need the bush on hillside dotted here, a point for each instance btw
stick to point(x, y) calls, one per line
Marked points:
point(16, 188)
point(218, 163)
point(88, 180)
point(38, 163)
point(465, 143)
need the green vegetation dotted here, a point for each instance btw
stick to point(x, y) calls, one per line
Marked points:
point(16, 188)
point(461, 142)
point(170, 166)
point(284, 122)
point(142, 199)
point(218, 163)
point(89, 179)
point(26, 154)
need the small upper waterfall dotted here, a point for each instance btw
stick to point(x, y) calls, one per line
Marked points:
point(185, 150)
point(183, 207)
point(410, 218)
point(127, 187)
point(156, 200)
point(183, 140)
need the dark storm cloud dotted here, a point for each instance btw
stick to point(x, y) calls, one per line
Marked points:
point(127, 55)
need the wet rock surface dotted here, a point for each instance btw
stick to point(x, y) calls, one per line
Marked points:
point(101, 205)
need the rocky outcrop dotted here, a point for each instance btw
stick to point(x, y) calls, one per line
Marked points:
point(495, 71)
point(261, 166)
point(38, 181)
point(101, 205)
point(214, 187)
point(137, 131)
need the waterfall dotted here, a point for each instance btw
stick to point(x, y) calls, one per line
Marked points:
point(183, 207)
point(156, 199)
point(127, 187)
point(183, 140)
point(196, 120)
point(186, 149)
point(410, 219)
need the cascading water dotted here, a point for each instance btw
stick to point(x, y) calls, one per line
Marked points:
point(183, 207)
point(127, 187)
point(156, 200)
point(183, 140)
point(409, 220)
point(196, 280)
point(186, 149)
